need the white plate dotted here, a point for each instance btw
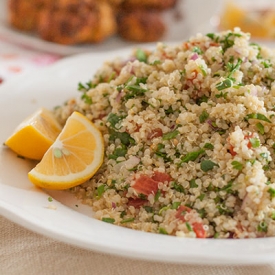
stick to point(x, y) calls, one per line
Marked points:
point(179, 20)
point(26, 205)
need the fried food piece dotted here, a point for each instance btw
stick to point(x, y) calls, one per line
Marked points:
point(140, 25)
point(23, 15)
point(148, 4)
point(74, 22)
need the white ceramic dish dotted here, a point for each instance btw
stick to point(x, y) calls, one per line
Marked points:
point(180, 22)
point(28, 206)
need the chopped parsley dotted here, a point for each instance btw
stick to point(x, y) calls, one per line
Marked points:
point(255, 142)
point(188, 226)
point(114, 119)
point(192, 156)
point(163, 231)
point(203, 116)
point(118, 152)
point(124, 137)
point(193, 184)
point(262, 227)
point(100, 190)
point(108, 220)
point(271, 191)
point(177, 187)
point(208, 146)
point(227, 83)
point(257, 116)
point(141, 55)
point(207, 165)
point(237, 165)
point(170, 135)
point(127, 220)
point(260, 128)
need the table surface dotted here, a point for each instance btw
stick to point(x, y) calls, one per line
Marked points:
point(25, 252)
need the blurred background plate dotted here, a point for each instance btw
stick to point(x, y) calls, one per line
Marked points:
point(183, 20)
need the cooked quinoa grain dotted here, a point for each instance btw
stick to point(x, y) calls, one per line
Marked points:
point(189, 138)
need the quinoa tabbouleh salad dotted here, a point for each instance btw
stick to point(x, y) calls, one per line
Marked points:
point(189, 138)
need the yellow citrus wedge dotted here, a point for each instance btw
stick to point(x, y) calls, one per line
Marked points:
point(73, 158)
point(33, 136)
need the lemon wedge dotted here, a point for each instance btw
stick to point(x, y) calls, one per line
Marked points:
point(33, 136)
point(73, 158)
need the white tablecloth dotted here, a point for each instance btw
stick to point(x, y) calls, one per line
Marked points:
point(26, 253)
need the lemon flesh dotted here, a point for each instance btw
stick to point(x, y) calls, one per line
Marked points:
point(33, 136)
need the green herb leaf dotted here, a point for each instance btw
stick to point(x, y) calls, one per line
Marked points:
point(124, 137)
point(141, 55)
point(201, 197)
point(192, 156)
point(161, 152)
point(193, 184)
point(157, 195)
point(189, 227)
point(127, 220)
point(163, 231)
point(175, 205)
point(134, 91)
point(237, 165)
point(177, 187)
point(169, 110)
point(86, 99)
point(257, 116)
point(262, 227)
point(118, 152)
point(108, 220)
point(197, 50)
point(86, 87)
point(228, 187)
point(208, 146)
point(148, 209)
point(211, 35)
point(266, 64)
point(255, 142)
point(156, 62)
point(100, 190)
point(203, 116)
point(207, 165)
point(228, 40)
point(232, 68)
point(260, 128)
point(227, 83)
point(122, 214)
point(271, 191)
point(164, 208)
point(114, 119)
point(170, 135)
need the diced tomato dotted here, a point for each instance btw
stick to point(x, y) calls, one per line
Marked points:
point(136, 202)
point(157, 132)
point(146, 185)
point(161, 177)
point(199, 230)
point(182, 211)
point(213, 44)
point(249, 145)
point(231, 150)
